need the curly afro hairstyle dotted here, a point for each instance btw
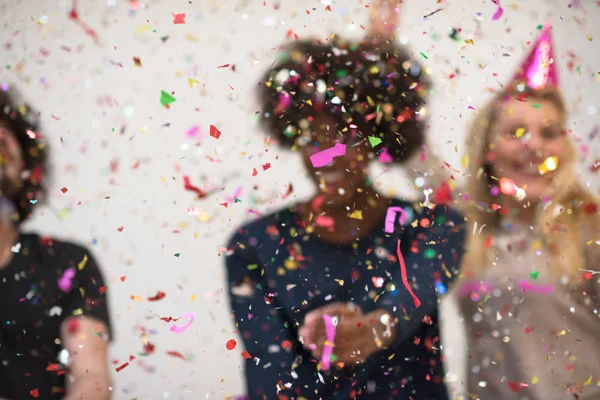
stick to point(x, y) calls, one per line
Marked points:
point(21, 121)
point(369, 91)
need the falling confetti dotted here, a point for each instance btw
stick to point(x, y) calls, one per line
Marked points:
point(550, 164)
point(230, 345)
point(166, 98)
point(405, 277)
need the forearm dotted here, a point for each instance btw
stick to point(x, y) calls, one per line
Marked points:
point(89, 388)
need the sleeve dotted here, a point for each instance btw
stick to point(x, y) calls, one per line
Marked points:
point(88, 296)
point(432, 247)
point(269, 339)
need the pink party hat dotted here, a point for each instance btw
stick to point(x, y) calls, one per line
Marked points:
point(539, 70)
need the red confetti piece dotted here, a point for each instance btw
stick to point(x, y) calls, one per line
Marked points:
point(405, 278)
point(120, 229)
point(73, 325)
point(149, 348)
point(288, 192)
point(266, 166)
point(214, 132)
point(64, 190)
point(34, 393)
point(175, 354)
point(178, 18)
point(590, 208)
point(246, 355)
point(230, 345)
point(103, 289)
point(254, 172)
point(74, 16)
point(123, 278)
point(188, 186)
point(514, 386)
point(443, 195)
point(158, 296)
point(488, 241)
point(53, 367)
point(223, 66)
point(120, 368)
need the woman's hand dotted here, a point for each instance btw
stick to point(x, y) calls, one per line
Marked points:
point(383, 20)
point(354, 341)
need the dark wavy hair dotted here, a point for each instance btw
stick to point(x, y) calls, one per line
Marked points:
point(369, 91)
point(22, 122)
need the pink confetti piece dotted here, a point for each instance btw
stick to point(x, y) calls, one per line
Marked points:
point(65, 282)
point(178, 18)
point(325, 157)
point(183, 328)
point(390, 218)
point(405, 278)
point(325, 221)
point(193, 131)
point(499, 11)
point(329, 340)
point(477, 287)
point(74, 16)
point(531, 287)
point(384, 157)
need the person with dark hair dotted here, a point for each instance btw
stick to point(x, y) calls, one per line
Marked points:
point(337, 297)
point(54, 323)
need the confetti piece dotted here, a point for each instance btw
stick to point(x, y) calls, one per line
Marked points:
point(499, 10)
point(64, 190)
point(246, 355)
point(289, 191)
point(390, 218)
point(254, 172)
point(223, 66)
point(137, 62)
point(230, 345)
point(121, 367)
point(103, 289)
point(73, 325)
point(175, 354)
point(385, 157)
point(534, 275)
point(65, 282)
point(544, 289)
point(214, 132)
point(404, 276)
point(432, 13)
point(192, 81)
point(74, 16)
point(193, 131)
point(424, 56)
point(374, 141)
point(160, 295)
point(329, 341)
point(183, 328)
point(178, 18)
point(188, 186)
point(166, 98)
point(356, 214)
point(470, 41)
point(519, 132)
point(325, 157)
point(549, 165)
point(34, 393)
point(508, 187)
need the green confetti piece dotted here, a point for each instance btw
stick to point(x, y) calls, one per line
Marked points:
point(429, 254)
point(237, 200)
point(177, 254)
point(539, 27)
point(537, 105)
point(534, 275)
point(375, 141)
point(252, 267)
point(424, 56)
point(166, 98)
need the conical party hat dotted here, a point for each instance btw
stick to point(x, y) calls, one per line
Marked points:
point(538, 69)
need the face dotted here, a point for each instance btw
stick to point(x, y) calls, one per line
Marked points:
point(523, 137)
point(338, 181)
point(11, 162)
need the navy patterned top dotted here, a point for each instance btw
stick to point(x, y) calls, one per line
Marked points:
point(289, 272)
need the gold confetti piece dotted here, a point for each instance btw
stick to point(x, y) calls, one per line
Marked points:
point(290, 264)
point(193, 297)
point(536, 245)
point(143, 28)
point(464, 161)
point(535, 380)
point(78, 311)
point(356, 214)
point(549, 164)
point(519, 132)
point(469, 41)
point(81, 265)
point(192, 81)
point(588, 382)
point(309, 102)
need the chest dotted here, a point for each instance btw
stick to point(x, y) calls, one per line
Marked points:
point(306, 274)
point(31, 314)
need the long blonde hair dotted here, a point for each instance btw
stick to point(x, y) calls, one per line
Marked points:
point(560, 221)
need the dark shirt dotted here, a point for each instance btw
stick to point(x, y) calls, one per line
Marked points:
point(293, 272)
point(32, 309)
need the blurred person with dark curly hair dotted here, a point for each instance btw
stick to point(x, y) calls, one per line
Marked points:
point(54, 323)
point(337, 297)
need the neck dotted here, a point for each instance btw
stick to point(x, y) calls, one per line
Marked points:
point(522, 211)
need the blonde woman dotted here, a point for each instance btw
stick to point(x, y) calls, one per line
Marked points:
point(529, 293)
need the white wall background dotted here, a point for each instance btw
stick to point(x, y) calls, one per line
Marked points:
point(122, 155)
